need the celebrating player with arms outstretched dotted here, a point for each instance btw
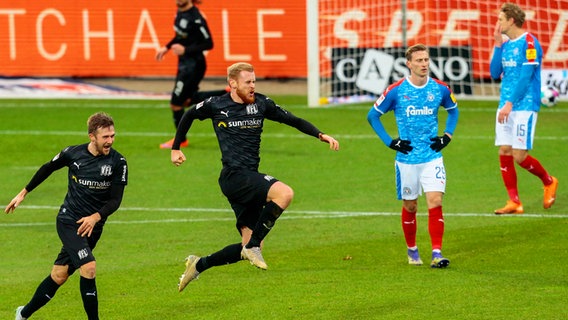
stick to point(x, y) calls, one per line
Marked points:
point(257, 199)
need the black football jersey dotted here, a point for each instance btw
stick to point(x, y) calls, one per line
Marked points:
point(89, 179)
point(192, 32)
point(239, 126)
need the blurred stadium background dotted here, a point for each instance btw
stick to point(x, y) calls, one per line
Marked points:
point(333, 50)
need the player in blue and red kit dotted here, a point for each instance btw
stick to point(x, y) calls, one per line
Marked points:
point(419, 165)
point(518, 62)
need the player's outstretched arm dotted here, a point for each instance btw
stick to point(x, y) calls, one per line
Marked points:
point(16, 201)
point(333, 144)
point(177, 157)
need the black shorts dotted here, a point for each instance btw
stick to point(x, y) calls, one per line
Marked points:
point(190, 73)
point(76, 250)
point(246, 191)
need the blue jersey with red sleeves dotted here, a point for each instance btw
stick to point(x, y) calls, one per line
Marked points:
point(416, 113)
point(520, 63)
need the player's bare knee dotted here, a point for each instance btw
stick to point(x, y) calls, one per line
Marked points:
point(285, 196)
point(88, 270)
point(288, 194)
point(59, 274)
point(410, 205)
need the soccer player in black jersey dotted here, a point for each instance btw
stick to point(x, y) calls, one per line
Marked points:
point(97, 176)
point(257, 199)
point(192, 37)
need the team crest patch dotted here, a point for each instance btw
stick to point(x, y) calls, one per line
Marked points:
point(252, 109)
point(106, 170)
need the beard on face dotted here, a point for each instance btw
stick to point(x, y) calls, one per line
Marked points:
point(104, 148)
point(244, 95)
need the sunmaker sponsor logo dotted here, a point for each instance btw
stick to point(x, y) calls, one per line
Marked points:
point(93, 184)
point(249, 123)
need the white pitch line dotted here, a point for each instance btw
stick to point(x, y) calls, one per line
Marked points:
point(289, 215)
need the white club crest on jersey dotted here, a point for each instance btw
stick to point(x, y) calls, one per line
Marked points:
point(106, 170)
point(252, 109)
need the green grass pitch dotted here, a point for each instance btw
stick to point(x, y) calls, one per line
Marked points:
point(337, 253)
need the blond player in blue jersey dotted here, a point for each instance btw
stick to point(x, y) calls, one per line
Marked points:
point(517, 61)
point(419, 165)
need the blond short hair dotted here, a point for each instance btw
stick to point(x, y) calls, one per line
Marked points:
point(234, 70)
point(415, 48)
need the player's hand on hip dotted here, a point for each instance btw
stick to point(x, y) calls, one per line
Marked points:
point(177, 157)
point(401, 145)
point(439, 143)
point(333, 144)
point(87, 224)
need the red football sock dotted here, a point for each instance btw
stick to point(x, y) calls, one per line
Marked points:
point(436, 227)
point(509, 175)
point(409, 227)
point(533, 166)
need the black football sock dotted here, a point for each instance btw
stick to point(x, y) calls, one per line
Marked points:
point(268, 217)
point(178, 114)
point(89, 294)
point(44, 293)
point(227, 255)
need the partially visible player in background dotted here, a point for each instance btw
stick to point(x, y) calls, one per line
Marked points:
point(419, 165)
point(97, 175)
point(518, 63)
point(192, 37)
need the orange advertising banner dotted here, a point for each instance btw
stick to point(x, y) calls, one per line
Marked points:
point(119, 38)
point(103, 38)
